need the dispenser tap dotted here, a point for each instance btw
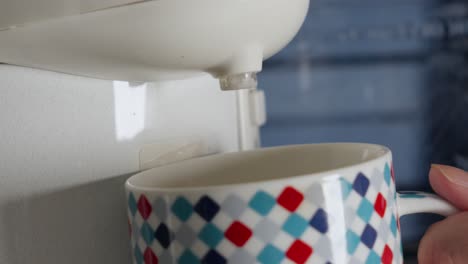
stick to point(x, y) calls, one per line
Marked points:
point(247, 80)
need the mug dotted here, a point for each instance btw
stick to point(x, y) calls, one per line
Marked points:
point(319, 203)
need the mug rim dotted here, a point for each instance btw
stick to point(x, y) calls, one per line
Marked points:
point(380, 152)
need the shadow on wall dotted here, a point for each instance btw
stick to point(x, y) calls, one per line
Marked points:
point(72, 226)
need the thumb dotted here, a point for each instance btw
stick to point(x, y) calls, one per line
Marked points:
point(450, 183)
point(447, 240)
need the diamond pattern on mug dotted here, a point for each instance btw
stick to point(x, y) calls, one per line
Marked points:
point(162, 234)
point(147, 233)
point(361, 184)
point(387, 255)
point(346, 188)
point(270, 255)
point(188, 258)
point(238, 233)
point(262, 203)
point(160, 209)
point(376, 177)
point(393, 225)
point(266, 230)
point(233, 206)
point(319, 221)
point(144, 207)
point(185, 235)
point(314, 194)
point(380, 205)
point(373, 258)
point(352, 241)
point(211, 235)
point(387, 174)
point(182, 209)
point(213, 257)
point(368, 236)
point(365, 210)
point(138, 255)
point(290, 199)
point(150, 257)
point(299, 252)
point(295, 225)
point(267, 226)
point(207, 208)
point(132, 204)
point(135, 232)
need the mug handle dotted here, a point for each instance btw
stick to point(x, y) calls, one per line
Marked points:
point(420, 202)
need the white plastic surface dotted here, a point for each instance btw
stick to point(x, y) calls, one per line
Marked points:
point(157, 40)
point(67, 145)
point(21, 12)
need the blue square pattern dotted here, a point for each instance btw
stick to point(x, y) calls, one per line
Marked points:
point(162, 234)
point(365, 210)
point(270, 255)
point(211, 235)
point(319, 221)
point(138, 255)
point(213, 257)
point(207, 208)
point(188, 258)
point(387, 174)
point(182, 209)
point(295, 225)
point(262, 203)
point(352, 241)
point(368, 236)
point(132, 204)
point(373, 258)
point(361, 184)
point(147, 233)
point(393, 226)
point(346, 188)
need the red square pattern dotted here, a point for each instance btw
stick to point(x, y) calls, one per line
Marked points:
point(150, 258)
point(299, 252)
point(290, 199)
point(238, 233)
point(380, 205)
point(144, 207)
point(387, 256)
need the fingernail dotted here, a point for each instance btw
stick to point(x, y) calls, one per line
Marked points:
point(454, 175)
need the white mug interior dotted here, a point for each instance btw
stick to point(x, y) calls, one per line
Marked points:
point(267, 164)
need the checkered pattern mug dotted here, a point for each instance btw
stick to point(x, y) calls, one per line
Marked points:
point(323, 203)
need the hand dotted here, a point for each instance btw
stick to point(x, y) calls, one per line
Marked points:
point(446, 242)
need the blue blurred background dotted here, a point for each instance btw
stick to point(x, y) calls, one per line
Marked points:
point(388, 72)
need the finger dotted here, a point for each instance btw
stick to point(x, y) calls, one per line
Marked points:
point(450, 183)
point(446, 242)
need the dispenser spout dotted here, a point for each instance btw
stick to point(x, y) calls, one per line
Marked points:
point(247, 80)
